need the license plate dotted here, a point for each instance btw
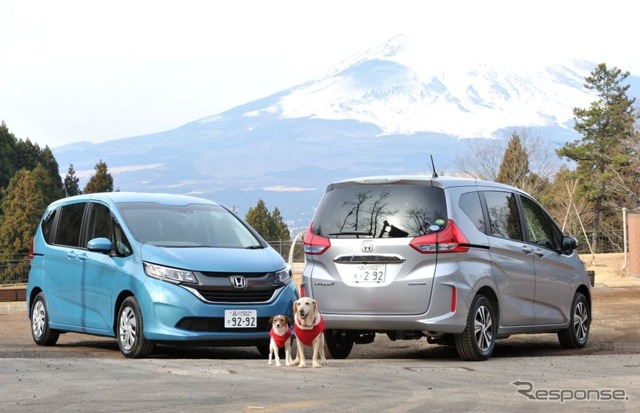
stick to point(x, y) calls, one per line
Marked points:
point(370, 273)
point(240, 318)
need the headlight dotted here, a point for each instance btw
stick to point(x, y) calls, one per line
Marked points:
point(282, 276)
point(173, 275)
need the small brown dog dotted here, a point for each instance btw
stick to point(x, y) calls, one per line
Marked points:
point(280, 338)
point(309, 328)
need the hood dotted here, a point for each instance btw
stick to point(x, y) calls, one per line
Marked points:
point(215, 259)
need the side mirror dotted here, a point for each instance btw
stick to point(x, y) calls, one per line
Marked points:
point(100, 244)
point(569, 244)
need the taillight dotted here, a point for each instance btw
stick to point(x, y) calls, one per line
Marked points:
point(31, 254)
point(315, 244)
point(450, 239)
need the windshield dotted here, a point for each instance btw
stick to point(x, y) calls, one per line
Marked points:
point(379, 211)
point(194, 225)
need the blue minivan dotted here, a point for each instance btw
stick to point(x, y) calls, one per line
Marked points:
point(154, 268)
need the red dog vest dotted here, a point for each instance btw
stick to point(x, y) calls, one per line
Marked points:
point(307, 336)
point(280, 340)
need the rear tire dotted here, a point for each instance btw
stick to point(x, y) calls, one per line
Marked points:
point(42, 334)
point(339, 343)
point(130, 330)
point(577, 334)
point(477, 340)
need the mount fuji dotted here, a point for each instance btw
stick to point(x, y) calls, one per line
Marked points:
point(385, 111)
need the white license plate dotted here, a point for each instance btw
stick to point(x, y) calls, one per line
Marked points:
point(240, 318)
point(370, 273)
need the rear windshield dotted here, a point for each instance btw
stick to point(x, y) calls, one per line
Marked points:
point(194, 225)
point(379, 211)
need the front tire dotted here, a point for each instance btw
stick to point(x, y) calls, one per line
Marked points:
point(130, 330)
point(42, 334)
point(577, 334)
point(477, 340)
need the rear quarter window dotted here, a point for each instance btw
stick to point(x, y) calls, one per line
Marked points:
point(470, 204)
point(48, 226)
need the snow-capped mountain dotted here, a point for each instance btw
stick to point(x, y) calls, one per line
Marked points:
point(391, 87)
point(384, 111)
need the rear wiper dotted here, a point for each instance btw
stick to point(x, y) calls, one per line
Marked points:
point(356, 233)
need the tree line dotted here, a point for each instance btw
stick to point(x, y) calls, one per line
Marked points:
point(584, 184)
point(30, 181)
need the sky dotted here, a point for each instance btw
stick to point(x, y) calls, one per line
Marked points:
point(94, 70)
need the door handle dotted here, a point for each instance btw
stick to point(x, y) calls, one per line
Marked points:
point(526, 249)
point(72, 255)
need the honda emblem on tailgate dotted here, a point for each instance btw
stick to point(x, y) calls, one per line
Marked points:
point(367, 246)
point(238, 282)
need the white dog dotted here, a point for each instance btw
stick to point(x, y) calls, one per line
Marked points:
point(309, 328)
point(280, 338)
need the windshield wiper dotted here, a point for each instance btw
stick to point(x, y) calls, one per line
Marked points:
point(356, 233)
point(254, 247)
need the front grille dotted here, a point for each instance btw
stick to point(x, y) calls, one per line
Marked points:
point(213, 274)
point(216, 324)
point(219, 287)
point(237, 296)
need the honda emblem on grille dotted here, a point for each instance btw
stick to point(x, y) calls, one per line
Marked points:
point(367, 246)
point(238, 282)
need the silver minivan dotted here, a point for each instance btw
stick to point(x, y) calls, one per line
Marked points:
point(458, 261)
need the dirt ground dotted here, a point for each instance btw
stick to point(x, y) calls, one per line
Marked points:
point(616, 305)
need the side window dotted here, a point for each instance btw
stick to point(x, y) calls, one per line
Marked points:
point(504, 221)
point(470, 204)
point(539, 230)
point(70, 221)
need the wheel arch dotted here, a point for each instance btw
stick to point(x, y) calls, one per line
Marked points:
point(493, 298)
point(32, 296)
point(116, 307)
point(587, 293)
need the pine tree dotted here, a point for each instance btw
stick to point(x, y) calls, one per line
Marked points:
point(607, 129)
point(7, 155)
point(258, 217)
point(269, 225)
point(279, 231)
point(514, 169)
point(71, 181)
point(102, 181)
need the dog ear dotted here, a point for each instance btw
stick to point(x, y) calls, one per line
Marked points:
point(295, 306)
point(287, 320)
point(314, 303)
point(271, 320)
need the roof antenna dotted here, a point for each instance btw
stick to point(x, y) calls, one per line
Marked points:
point(433, 166)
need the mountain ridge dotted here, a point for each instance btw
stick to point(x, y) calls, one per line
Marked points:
point(376, 113)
